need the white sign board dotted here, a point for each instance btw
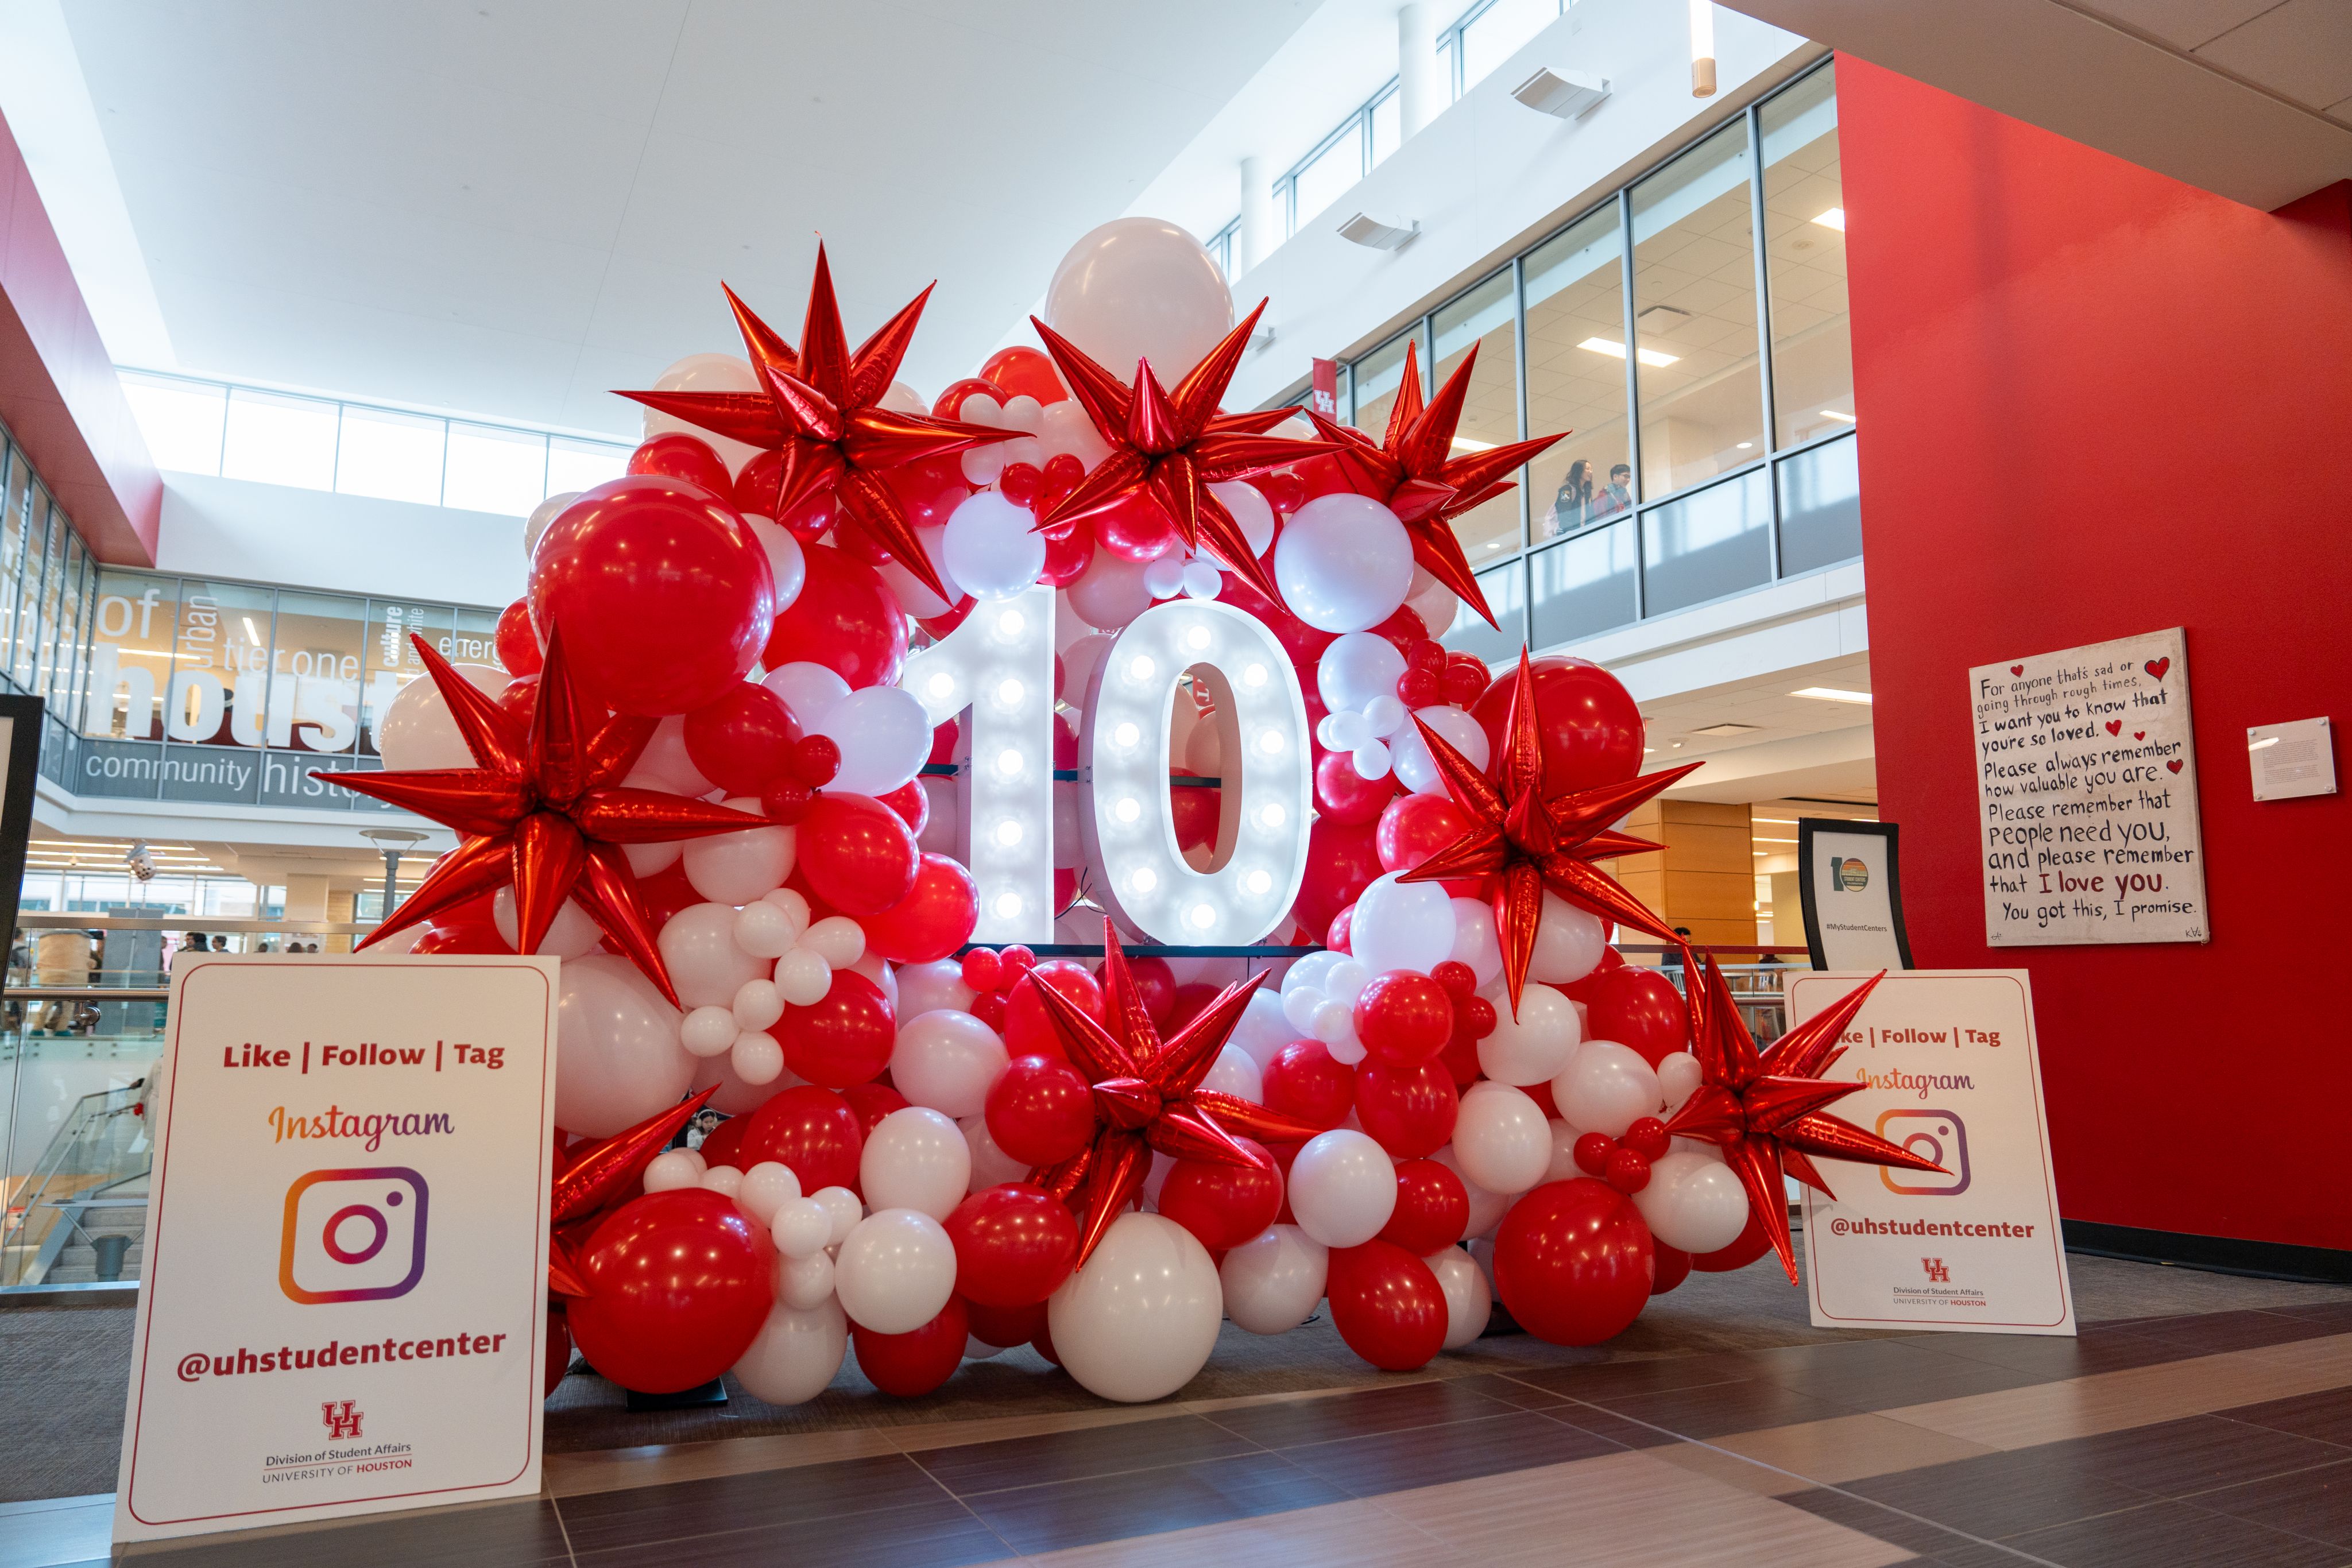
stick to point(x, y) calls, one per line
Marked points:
point(1851, 892)
point(2292, 760)
point(2086, 780)
point(1950, 1059)
point(345, 1298)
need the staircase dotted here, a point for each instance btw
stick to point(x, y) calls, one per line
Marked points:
point(89, 1186)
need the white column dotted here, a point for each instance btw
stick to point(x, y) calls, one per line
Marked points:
point(1422, 85)
point(1261, 230)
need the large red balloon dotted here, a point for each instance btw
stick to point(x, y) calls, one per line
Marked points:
point(846, 618)
point(1573, 1262)
point(1415, 826)
point(1018, 1325)
point(1040, 1111)
point(1591, 726)
point(913, 1364)
point(1222, 1205)
point(1638, 1005)
point(1407, 1111)
point(812, 1130)
point(1403, 1019)
point(517, 643)
point(743, 742)
point(872, 1102)
point(1345, 795)
point(1028, 1030)
point(1387, 1305)
point(1674, 1267)
point(684, 456)
point(1342, 860)
point(1433, 1208)
point(1014, 1244)
point(662, 594)
point(1023, 372)
point(678, 1284)
point(932, 921)
point(843, 1037)
point(1304, 1079)
point(856, 852)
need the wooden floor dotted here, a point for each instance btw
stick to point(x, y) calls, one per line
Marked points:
point(2189, 1437)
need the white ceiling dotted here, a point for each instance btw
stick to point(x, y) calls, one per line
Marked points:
point(510, 206)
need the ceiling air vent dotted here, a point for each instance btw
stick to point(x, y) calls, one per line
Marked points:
point(1379, 234)
point(1570, 95)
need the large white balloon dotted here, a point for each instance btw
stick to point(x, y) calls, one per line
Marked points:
point(796, 1354)
point(1140, 1319)
point(1568, 943)
point(1486, 1207)
point(1534, 1046)
point(1401, 925)
point(1606, 1088)
point(1343, 563)
point(1502, 1138)
point(1475, 941)
point(616, 1052)
point(1110, 593)
point(1416, 770)
point(885, 737)
point(1249, 508)
point(736, 868)
point(572, 935)
point(787, 568)
point(1237, 1073)
point(698, 947)
point(895, 1270)
point(1357, 668)
point(991, 1167)
point(1274, 1279)
point(991, 545)
point(705, 373)
point(416, 730)
point(946, 1060)
point(1468, 1302)
point(809, 690)
point(1342, 1188)
point(1263, 1032)
point(1693, 1201)
point(924, 988)
point(665, 765)
point(1679, 1076)
point(915, 1158)
point(1140, 288)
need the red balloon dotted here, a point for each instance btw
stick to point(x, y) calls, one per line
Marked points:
point(913, 804)
point(517, 643)
point(462, 936)
point(559, 1351)
point(845, 1037)
point(1387, 1305)
point(1752, 1242)
point(1304, 643)
point(1192, 813)
point(662, 595)
point(1222, 1205)
point(1674, 1267)
point(872, 1102)
point(857, 853)
point(1345, 795)
point(1189, 999)
point(1028, 1029)
point(913, 1364)
point(949, 404)
point(1018, 1325)
point(1638, 1005)
point(1040, 1111)
point(1135, 529)
point(666, 893)
point(1023, 372)
point(723, 1145)
point(930, 490)
point(846, 618)
point(1403, 1019)
point(755, 491)
point(678, 1284)
point(683, 456)
point(1415, 826)
point(1591, 724)
point(1305, 1081)
point(1407, 1111)
point(813, 1130)
point(1014, 1244)
point(521, 698)
point(1573, 1262)
point(1155, 982)
point(1342, 860)
point(931, 922)
point(1433, 1208)
point(744, 741)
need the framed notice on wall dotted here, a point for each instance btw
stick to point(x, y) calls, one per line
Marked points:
point(1850, 884)
point(2086, 789)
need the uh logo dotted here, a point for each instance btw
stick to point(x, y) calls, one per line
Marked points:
point(341, 1417)
point(1937, 1274)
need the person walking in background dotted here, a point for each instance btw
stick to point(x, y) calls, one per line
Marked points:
point(1571, 508)
point(1617, 497)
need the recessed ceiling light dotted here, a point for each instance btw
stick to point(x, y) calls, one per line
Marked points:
point(1726, 729)
point(1840, 418)
point(1616, 350)
point(1831, 695)
point(1745, 444)
point(1832, 219)
point(1471, 444)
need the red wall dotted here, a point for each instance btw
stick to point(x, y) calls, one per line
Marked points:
point(2095, 402)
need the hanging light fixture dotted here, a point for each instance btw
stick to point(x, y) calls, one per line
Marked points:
point(1702, 40)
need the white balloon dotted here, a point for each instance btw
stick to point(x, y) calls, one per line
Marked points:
point(1533, 1046)
point(1343, 563)
point(1236, 1073)
point(1486, 1207)
point(1693, 1202)
point(757, 1005)
point(1140, 288)
point(897, 1270)
point(805, 1279)
point(1416, 770)
point(1110, 593)
point(991, 1167)
point(1468, 1302)
point(1679, 1076)
point(572, 935)
point(735, 1094)
point(1272, 1281)
point(884, 738)
point(946, 1060)
point(767, 1188)
point(1502, 1138)
point(1568, 943)
point(724, 1179)
point(673, 1169)
point(1433, 602)
point(837, 939)
point(736, 868)
point(787, 568)
point(1080, 660)
point(1249, 507)
point(1403, 926)
point(1606, 1087)
point(930, 988)
point(757, 1057)
point(1342, 1188)
point(766, 929)
point(841, 1207)
point(705, 373)
point(1476, 942)
point(795, 1356)
point(665, 764)
point(802, 977)
point(939, 823)
point(698, 947)
point(1356, 669)
point(415, 730)
point(648, 860)
point(617, 1055)
point(801, 1226)
point(1563, 1165)
point(809, 690)
point(989, 546)
point(543, 514)
point(1263, 1032)
point(915, 1158)
point(1139, 1321)
point(915, 596)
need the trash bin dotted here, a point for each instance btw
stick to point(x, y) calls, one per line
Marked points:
point(109, 1248)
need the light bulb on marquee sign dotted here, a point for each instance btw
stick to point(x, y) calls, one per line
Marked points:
point(1000, 664)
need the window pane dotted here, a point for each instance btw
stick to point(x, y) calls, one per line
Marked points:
point(15, 505)
point(280, 440)
point(1821, 507)
point(31, 628)
point(130, 665)
point(1707, 545)
point(391, 659)
point(1805, 257)
point(577, 465)
point(1584, 586)
point(1497, 33)
point(493, 470)
point(1378, 374)
point(474, 640)
point(396, 456)
point(315, 664)
point(1471, 634)
point(67, 666)
point(1482, 321)
point(180, 420)
point(1335, 169)
point(1388, 127)
point(1576, 376)
point(1694, 292)
point(220, 672)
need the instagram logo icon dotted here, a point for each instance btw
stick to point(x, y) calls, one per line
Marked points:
point(1937, 1136)
point(354, 1235)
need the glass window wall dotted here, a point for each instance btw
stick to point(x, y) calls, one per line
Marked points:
point(1695, 316)
point(1483, 321)
point(1576, 377)
point(1804, 252)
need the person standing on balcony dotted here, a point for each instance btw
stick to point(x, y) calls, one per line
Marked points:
point(1571, 508)
point(1619, 494)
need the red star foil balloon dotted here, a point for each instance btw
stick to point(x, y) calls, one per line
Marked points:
point(594, 1177)
point(1414, 472)
point(1168, 447)
point(1767, 1110)
point(1520, 843)
point(543, 810)
point(822, 410)
point(1148, 1095)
